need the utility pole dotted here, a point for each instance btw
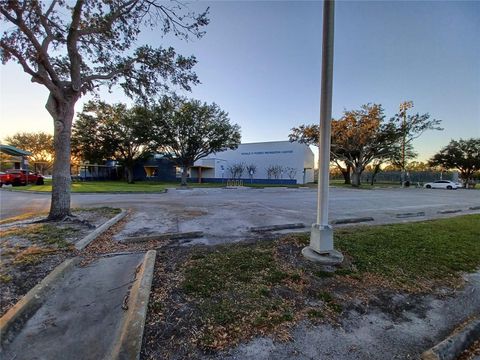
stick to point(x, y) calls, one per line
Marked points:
point(404, 106)
point(321, 236)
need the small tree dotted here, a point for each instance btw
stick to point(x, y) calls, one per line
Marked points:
point(251, 170)
point(187, 130)
point(463, 155)
point(74, 47)
point(276, 171)
point(309, 134)
point(40, 144)
point(410, 127)
point(236, 170)
point(291, 172)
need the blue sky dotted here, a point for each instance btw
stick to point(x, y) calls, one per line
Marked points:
point(260, 61)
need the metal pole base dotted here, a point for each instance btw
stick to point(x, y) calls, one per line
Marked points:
point(321, 238)
point(332, 257)
point(321, 246)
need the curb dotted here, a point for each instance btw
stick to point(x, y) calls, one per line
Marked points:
point(88, 193)
point(449, 211)
point(277, 227)
point(80, 245)
point(351, 220)
point(17, 315)
point(164, 236)
point(129, 342)
point(408, 215)
point(458, 341)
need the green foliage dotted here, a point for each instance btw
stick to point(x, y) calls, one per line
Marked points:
point(463, 155)
point(105, 131)
point(75, 47)
point(363, 136)
point(188, 130)
point(40, 144)
point(86, 44)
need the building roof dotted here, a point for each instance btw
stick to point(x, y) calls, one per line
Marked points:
point(13, 151)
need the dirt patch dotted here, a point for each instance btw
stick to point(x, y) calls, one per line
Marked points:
point(30, 251)
point(472, 353)
point(207, 299)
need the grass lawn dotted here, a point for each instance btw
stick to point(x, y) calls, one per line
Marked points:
point(233, 292)
point(364, 185)
point(122, 186)
point(112, 186)
point(413, 254)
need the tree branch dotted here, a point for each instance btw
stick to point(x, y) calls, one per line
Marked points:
point(43, 58)
point(73, 55)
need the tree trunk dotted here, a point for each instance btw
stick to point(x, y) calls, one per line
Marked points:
point(374, 175)
point(346, 174)
point(62, 113)
point(184, 175)
point(356, 177)
point(129, 169)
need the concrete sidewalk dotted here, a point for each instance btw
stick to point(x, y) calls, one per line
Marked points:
point(83, 317)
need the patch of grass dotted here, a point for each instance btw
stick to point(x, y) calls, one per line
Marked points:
point(414, 252)
point(315, 314)
point(366, 186)
point(324, 274)
point(344, 272)
point(46, 234)
point(5, 278)
point(103, 210)
point(31, 256)
point(22, 217)
point(324, 296)
point(237, 287)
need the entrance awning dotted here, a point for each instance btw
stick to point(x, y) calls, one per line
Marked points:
point(13, 151)
point(201, 167)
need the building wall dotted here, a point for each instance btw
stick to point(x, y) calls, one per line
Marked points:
point(282, 153)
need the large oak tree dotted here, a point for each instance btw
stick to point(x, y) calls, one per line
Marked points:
point(189, 130)
point(103, 131)
point(363, 136)
point(74, 47)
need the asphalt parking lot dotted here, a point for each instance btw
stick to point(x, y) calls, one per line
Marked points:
point(226, 215)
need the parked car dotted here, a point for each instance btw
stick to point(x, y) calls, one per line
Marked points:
point(441, 184)
point(17, 177)
point(3, 178)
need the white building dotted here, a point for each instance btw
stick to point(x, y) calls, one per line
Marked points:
point(275, 162)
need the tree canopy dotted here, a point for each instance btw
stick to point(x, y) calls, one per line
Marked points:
point(188, 130)
point(40, 144)
point(74, 47)
point(463, 155)
point(103, 131)
point(363, 136)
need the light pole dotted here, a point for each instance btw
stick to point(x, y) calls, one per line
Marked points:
point(403, 111)
point(321, 237)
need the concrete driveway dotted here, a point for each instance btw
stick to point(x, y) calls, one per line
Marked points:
point(227, 214)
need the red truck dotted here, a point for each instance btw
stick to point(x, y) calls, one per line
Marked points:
point(18, 177)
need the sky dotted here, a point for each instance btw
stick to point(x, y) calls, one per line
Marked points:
point(260, 61)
